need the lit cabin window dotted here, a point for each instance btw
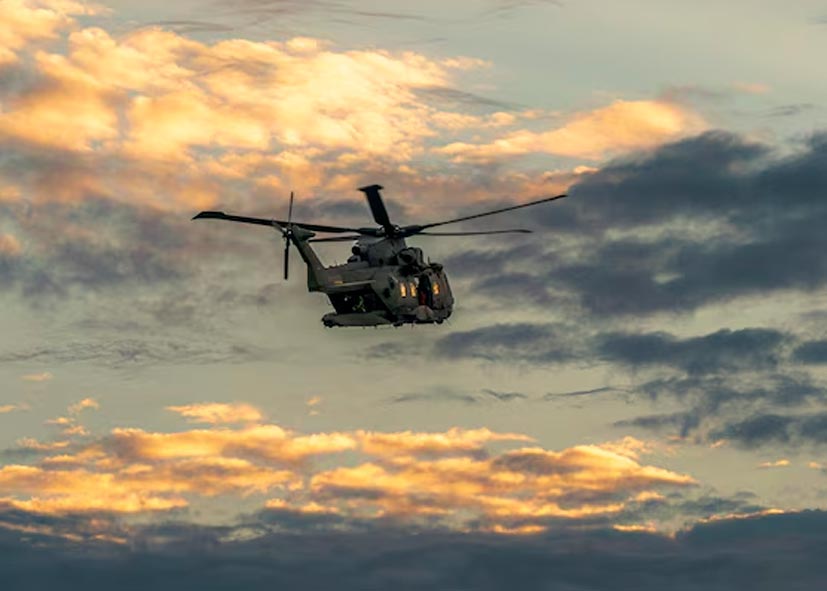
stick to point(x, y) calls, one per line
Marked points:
point(403, 289)
point(436, 288)
point(413, 289)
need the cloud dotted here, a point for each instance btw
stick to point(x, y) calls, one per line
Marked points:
point(533, 343)
point(133, 353)
point(176, 95)
point(9, 246)
point(811, 352)
point(443, 394)
point(724, 350)
point(85, 404)
point(23, 22)
point(458, 478)
point(715, 405)
point(218, 413)
point(620, 127)
point(782, 463)
point(706, 556)
point(768, 428)
point(659, 232)
point(37, 377)
point(515, 488)
point(453, 441)
point(504, 396)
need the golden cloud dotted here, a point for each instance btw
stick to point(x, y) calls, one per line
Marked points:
point(265, 442)
point(25, 21)
point(9, 245)
point(454, 477)
point(272, 116)
point(176, 94)
point(37, 377)
point(215, 413)
point(85, 404)
point(593, 135)
point(782, 463)
point(453, 440)
point(519, 485)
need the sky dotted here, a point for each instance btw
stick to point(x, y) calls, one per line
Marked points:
point(632, 396)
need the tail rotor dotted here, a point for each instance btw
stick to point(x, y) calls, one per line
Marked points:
point(287, 232)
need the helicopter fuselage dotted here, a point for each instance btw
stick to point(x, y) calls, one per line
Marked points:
point(384, 282)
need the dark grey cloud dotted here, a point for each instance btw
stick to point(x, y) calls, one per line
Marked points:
point(582, 393)
point(761, 553)
point(812, 352)
point(717, 403)
point(449, 395)
point(97, 245)
point(791, 110)
point(532, 343)
point(697, 222)
point(776, 429)
point(682, 423)
point(504, 396)
point(135, 353)
point(440, 396)
point(464, 100)
point(724, 350)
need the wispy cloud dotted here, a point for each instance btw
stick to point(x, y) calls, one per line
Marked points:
point(621, 126)
point(37, 377)
point(218, 413)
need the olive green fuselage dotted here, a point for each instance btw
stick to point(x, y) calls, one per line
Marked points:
point(384, 282)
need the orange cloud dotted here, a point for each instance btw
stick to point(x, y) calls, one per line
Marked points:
point(275, 116)
point(34, 444)
point(72, 110)
point(453, 440)
point(782, 463)
point(9, 246)
point(215, 413)
point(268, 442)
point(37, 377)
point(26, 21)
point(86, 403)
point(528, 483)
point(593, 135)
point(453, 477)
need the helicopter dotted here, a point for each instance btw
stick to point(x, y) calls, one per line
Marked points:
point(385, 281)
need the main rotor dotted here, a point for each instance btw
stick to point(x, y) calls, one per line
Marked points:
point(385, 229)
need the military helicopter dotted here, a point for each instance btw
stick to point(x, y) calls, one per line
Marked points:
point(384, 281)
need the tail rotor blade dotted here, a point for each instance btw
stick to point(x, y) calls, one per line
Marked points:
point(290, 209)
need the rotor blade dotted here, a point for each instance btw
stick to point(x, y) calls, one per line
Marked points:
point(286, 257)
point(290, 209)
point(410, 230)
point(481, 233)
point(377, 207)
point(336, 239)
point(220, 215)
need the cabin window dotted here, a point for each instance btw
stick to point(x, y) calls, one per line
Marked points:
point(403, 289)
point(412, 288)
point(436, 288)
